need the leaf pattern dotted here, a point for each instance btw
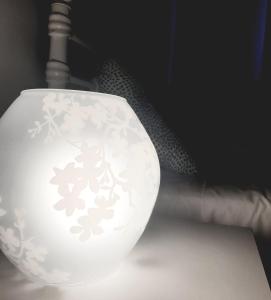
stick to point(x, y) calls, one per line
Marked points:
point(63, 114)
point(90, 172)
point(96, 186)
point(90, 223)
point(26, 254)
point(89, 183)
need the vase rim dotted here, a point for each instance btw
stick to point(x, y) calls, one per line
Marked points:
point(73, 92)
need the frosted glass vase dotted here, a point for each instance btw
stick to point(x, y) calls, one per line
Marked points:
point(79, 177)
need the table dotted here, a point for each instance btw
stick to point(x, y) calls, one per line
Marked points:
point(173, 260)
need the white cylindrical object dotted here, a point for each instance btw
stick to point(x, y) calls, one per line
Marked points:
point(79, 177)
point(57, 70)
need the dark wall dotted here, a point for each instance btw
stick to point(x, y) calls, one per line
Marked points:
point(211, 99)
point(212, 39)
point(21, 49)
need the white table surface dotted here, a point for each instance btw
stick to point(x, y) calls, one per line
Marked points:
point(173, 260)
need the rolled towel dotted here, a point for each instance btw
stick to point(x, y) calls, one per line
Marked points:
point(181, 197)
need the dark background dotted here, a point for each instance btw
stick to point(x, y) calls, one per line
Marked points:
point(205, 66)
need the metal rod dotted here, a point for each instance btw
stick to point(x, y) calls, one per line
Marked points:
point(57, 70)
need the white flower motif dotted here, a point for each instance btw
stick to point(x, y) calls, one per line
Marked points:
point(32, 266)
point(23, 252)
point(98, 115)
point(49, 101)
point(119, 145)
point(57, 103)
point(35, 252)
point(7, 236)
point(75, 118)
point(64, 114)
point(91, 171)
point(90, 223)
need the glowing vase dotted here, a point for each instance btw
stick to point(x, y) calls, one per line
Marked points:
point(79, 177)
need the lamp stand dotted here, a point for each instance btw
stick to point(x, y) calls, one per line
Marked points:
point(57, 70)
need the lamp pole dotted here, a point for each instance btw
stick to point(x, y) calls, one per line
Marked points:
point(57, 70)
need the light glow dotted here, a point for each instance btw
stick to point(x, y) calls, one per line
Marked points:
point(79, 179)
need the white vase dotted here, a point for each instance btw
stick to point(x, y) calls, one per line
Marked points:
point(79, 177)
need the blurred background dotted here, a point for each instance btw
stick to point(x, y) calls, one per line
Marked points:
point(204, 65)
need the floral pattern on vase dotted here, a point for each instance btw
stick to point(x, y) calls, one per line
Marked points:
point(63, 114)
point(85, 176)
point(24, 252)
point(92, 173)
point(90, 169)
